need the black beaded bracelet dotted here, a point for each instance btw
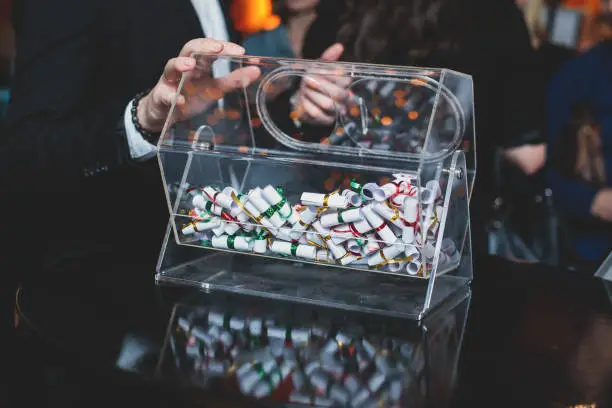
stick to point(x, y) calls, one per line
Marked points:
point(148, 136)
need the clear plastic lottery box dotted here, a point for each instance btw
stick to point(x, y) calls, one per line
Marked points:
point(359, 185)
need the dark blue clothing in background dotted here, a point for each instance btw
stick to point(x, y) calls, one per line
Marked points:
point(585, 80)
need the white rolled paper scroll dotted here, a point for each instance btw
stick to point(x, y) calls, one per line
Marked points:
point(412, 252)
point(396, 267)
point(323, 255)
point(257, 199)
point(427, 196)
point(323, 232)
point(242, 198)
point(197, 199)
point(312, 238)
point(260, 246)
point(341, 233)
point(199, 226)
point(284, 234)
point(404, 177)
point(341, 217)
point(231, 228)
point(217, 197)
point(228, 242)
point(394, 188)
point(334, 201)
point(337, 251)
point(220, 230)
point(411, 209)
point(255, 213)
point(382, 229)
point(362, 227)
point(348, 259)
point(386, 254)
point(413, 268)
point(390, 214)
point(272, 196)
point(306, 218)
point(355, 247)
point(287, 248)
point(372, 244)
point(245, 221)
point(372, 191)
point(408, 235)
point(353, 198)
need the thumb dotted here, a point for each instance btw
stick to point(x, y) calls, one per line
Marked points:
point(333, 53)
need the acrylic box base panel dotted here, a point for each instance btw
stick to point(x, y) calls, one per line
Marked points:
point(311, 356)
point(305, 283)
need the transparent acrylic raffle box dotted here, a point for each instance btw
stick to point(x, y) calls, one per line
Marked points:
point(354, 193)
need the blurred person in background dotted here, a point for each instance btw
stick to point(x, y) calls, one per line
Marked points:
point(488, 40)
point(579, 101)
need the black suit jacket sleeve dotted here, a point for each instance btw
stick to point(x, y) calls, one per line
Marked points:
point(61, 128)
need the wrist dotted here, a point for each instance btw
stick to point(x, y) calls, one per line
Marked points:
point(144, 117)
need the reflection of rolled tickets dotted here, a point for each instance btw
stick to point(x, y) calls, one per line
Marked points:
point(382, 229)
point(429, 250)
point(273, 197)
point(199, 226)
point(218, 197)
point(413, 268)
point(287, 248)
point(335, 201)
point(229, 242)
point(411, 209)
point(323, 255)
point(341, 217)
point(385, 255)
point(408, 235)
point(372, 191)
point(450, 251)
point(390, 214)
point(353, 198)
point(403, 177)
point(256, 198)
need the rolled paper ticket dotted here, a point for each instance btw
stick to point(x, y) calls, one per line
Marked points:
point(258, 216)
point(404, 177)
point(269, 211)
point(396, 267)
point(323, 255)
point(408, 235)
point(390, 214)
point(341, 233)
point(287, 248)
point(411, 209)
point(324, 233)
point(217, 197)
point(334, 201)
point(230, 242)
point(260, 246)
point(413, 268)
point(273, 197)
point(199, 226)
point(196, 198)
point(385, 255)
point(434, 187)
point(355, 246)
point(427, 196)
point(231, 228)
point(245, 222)
point(220, 230)
point(372, 244)
point(412, 252)
point(337, 251)
point(236, 209)
point(382, 229)
point(312, 238)
point(284, 234)
point(395, 188)
point(306, 218)
point(341, 217)
point(372, 191)
point(348, 259)
point(353, 198)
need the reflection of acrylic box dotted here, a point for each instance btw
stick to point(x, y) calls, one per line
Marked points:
point(282, 352)
point(375, 203)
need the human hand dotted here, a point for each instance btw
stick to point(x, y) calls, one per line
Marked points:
point(154, 108)
point(602, 204)
point(318, 95)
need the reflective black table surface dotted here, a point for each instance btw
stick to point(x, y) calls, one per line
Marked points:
point(535, 336)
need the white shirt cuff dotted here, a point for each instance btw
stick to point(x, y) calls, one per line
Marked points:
point(140, 149)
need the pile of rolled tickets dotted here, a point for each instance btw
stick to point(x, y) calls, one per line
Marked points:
point(370, 226)
point(306, 366)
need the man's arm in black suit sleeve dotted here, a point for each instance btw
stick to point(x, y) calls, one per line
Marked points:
point(61, 129)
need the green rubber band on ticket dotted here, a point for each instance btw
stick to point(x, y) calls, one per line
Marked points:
point(206, 242)
point(340, 220)
point(294, 249)
point(230, 242)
